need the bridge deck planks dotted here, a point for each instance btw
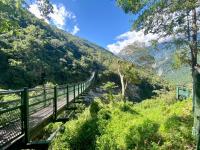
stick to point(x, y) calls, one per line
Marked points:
point(46, 112)
point(13, 129)
point(8, 132)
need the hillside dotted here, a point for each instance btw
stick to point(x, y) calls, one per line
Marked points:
point(33, 52)
point(159, 59)
point(138, 54)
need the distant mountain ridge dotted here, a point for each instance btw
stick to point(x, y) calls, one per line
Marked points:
point(159, 59)
point(138, 54)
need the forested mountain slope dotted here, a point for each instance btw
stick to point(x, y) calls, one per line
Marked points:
point(33, 52)
point(160, 59)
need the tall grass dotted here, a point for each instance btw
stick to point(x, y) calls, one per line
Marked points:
point(159, 123)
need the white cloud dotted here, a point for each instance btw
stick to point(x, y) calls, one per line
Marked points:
point(35, 10)
point(59, 17)
point(131, 37)
point(75, 30)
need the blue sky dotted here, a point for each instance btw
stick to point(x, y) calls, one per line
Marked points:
point(99, 21)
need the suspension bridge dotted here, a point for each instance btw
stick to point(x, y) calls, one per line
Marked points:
point(29, 110)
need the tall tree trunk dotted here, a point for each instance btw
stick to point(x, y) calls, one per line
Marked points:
point(193, 45)
point(188, 25)
point(122, 83)
point(193, 48)
point(196, 77)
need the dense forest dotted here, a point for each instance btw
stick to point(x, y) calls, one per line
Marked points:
point(131, 105)
point(34, 52)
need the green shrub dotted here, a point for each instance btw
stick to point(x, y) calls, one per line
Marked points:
point(106, 142)
point(95, 107)
point(78, 134)
point(143, 135)
point(155, 124)
point(104, 117)
point(109, 87)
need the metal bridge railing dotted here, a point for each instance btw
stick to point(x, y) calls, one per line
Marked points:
point(23, 110)
point(11, 124)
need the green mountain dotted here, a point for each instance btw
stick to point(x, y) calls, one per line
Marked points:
point(159, 60)
point(33, 52)
point(138, 54)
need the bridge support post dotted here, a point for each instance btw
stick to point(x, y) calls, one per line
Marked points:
point(25, 109)
point(67, 96)
point(177, 92)
point(45, 97)
point(74, 89)
point(55, 102)
point(78, 90)
point(83, 86)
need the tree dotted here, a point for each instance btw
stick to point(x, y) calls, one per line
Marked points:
point(45, 8)
point(6, 24)
point(122, 71)
point(176, 19)
point(126, 73)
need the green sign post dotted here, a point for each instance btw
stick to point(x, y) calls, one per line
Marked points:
point(182, 92)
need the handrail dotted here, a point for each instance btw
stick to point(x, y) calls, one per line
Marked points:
point(10, 91)
point(35, 101)
point(41, 88)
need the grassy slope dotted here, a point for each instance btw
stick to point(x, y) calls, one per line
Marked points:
point(160, 123)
